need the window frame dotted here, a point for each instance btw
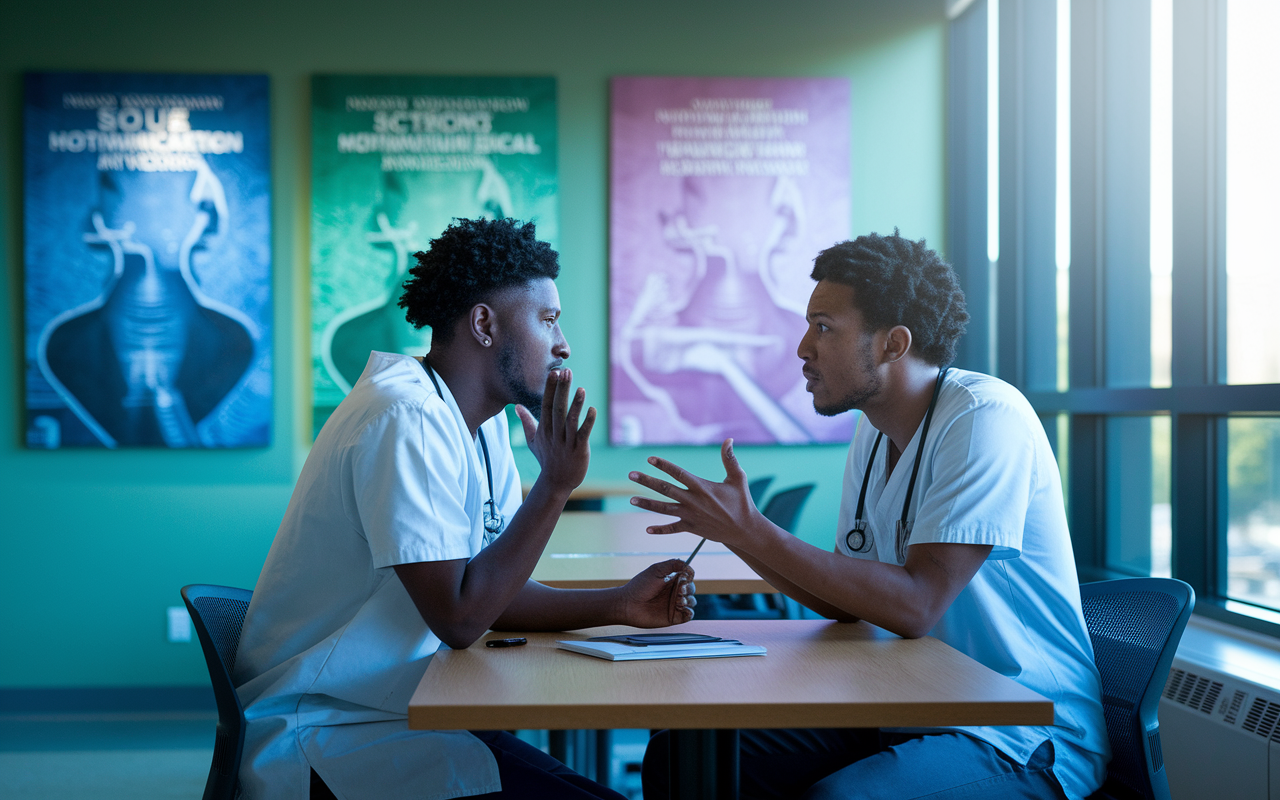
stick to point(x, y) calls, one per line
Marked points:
point(1008, 299)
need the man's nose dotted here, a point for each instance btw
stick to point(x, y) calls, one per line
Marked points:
point(803, 350)
point(561, 347)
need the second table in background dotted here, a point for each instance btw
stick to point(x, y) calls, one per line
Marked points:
point(595, 550)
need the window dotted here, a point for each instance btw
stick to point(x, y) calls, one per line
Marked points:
point(1132, 297)
point(1253, 205)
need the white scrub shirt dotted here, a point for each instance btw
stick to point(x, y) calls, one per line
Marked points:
point(333, 647)
point(988, 476)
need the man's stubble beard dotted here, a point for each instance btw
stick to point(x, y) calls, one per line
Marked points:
point(872, 386)
point(508, 368)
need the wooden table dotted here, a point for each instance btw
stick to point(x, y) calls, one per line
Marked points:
point(817, 674)
point(594, 550)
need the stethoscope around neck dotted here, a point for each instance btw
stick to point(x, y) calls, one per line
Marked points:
point(857, 539)
point(493, 521)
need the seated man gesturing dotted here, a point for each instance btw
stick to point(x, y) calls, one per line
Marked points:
point(951, 524)
point(406, 531)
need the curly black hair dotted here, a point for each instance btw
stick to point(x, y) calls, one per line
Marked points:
point(467, 264)
point(900, 282)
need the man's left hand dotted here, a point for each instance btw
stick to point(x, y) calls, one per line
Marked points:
point(722, 512)
point(661, 595)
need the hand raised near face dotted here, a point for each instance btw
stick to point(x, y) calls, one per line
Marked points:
point(558, 441)
point(718, 511)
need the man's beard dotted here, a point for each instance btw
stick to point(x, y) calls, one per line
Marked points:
point(508, 367)
point(872, 384)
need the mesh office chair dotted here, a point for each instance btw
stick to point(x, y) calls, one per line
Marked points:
point(782, 510)
point(758, 487)
point(1135, 625)
point(218, 613)
point(784, 507)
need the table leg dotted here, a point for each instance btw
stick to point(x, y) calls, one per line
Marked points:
point(704, 765)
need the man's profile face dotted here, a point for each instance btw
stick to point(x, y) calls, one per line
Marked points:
point(532, 344)
point(838, 352)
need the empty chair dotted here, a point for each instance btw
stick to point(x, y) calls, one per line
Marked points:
point(758, 487)
point(1135, 625)
point(783, 509)
point(218, 613)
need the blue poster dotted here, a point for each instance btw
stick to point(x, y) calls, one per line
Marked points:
point(148, 260)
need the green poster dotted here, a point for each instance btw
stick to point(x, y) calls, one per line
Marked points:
point(393, 160)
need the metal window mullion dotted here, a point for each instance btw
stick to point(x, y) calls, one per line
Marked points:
point(1199, 274)
point(1087, 465)
point(967, 177)
point(1026, 341)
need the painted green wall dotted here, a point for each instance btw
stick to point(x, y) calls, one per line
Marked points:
point(94, 545)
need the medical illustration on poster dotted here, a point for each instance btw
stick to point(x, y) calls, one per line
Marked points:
point(147, 249)
point(722, 191)
point(394, 160)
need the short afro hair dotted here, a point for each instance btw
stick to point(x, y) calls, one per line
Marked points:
point(900, 282)
point(471, 261)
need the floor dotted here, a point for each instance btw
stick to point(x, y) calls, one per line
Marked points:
point(164, 757)
point(105, 756)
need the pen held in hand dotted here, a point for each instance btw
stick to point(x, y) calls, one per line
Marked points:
point(687, 560)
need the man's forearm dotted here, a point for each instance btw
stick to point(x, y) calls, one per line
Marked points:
point(907, 600)
point(790, 589)
point(461, 599)
point(542, 608)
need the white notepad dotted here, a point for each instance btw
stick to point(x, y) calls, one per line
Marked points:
point(615, 651)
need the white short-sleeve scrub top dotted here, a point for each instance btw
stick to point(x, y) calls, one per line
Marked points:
point(988, 476)
point(333, 647)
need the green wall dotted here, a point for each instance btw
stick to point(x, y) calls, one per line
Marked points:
point(96, 544)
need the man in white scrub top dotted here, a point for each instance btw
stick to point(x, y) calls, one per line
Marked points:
point(406, 531)
point(951, 525)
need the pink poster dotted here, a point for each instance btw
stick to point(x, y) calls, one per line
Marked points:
point(722, 192)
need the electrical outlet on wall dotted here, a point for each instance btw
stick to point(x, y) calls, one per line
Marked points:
point(179, 624)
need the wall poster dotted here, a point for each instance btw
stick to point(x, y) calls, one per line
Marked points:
point(394, 159)
point(722, 191)
point(147, 226)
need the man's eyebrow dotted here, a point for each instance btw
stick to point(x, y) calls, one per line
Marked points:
point(812, 315)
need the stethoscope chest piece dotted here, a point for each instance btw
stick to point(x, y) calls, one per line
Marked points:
point(857, 539)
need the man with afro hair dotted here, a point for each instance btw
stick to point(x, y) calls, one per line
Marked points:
point(406, 531)
point(951, 524)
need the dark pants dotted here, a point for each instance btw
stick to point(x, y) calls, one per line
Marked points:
point(526, 773)
point(825, 764)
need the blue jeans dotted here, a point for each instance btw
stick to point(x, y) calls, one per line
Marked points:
point(869, 764)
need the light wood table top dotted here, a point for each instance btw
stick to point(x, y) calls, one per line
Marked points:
point(816, 674)
point(596, 550)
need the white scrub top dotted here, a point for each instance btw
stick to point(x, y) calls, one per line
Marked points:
point(988, 476)
point(333, 647)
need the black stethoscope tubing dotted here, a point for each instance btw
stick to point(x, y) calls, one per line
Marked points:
point(858, 533)
point(492, 519)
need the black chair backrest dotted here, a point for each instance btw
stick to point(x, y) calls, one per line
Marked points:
point(1135, 625)
point(218, 613)
point(784, 507)
point(758, 487)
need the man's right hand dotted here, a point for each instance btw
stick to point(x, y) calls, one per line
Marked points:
point(558, 442)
